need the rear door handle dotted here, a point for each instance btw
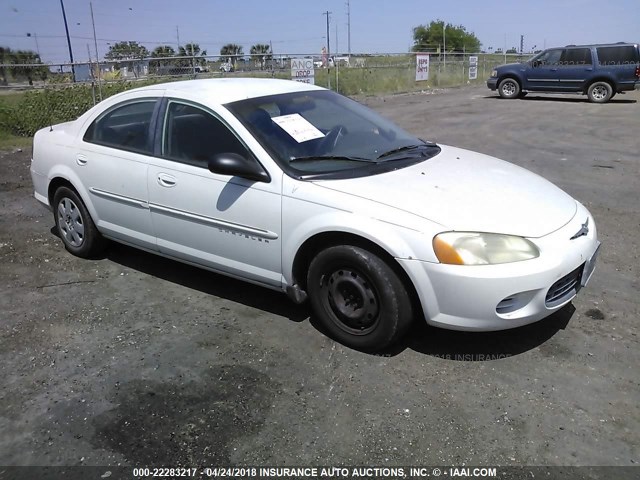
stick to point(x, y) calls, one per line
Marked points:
point(165, 180)
point(81, 159)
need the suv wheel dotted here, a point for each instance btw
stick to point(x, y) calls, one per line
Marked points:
point(358, 298)
point(509, 88)
point(600, 92)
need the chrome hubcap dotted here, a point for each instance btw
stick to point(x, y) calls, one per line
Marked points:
point(70, 222)
point(509, 88)
point(599, 92)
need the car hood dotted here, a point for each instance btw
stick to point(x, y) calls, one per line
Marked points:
point(510, 65)
point(468, 191)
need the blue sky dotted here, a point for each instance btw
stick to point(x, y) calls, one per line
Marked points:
point(298, 26)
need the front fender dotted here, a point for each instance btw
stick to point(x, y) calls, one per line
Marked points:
point(303, 220)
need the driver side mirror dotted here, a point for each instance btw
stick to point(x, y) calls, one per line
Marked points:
point(236, 165)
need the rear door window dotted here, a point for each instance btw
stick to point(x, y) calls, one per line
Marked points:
point(576, 56)
point(125, 127)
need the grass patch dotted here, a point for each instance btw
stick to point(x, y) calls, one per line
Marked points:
point(9, 141)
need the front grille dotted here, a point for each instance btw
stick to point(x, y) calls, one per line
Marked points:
point(565, 288)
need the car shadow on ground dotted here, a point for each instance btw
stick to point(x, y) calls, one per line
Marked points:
point(206, 281)
point(484, 346)
point(422, 338)
point(560, 99)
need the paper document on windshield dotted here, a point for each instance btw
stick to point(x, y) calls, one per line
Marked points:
point(300, 129)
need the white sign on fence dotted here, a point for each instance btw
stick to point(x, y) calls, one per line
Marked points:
point(473, 68)
point(422, 67)
point(302, 70)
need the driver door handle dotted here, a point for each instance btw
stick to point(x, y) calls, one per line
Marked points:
point(166, 180)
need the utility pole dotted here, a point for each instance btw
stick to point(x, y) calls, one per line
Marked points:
point(348, 31)
point(521, 44)
point(444, 45)
point(95, 43)
point(66, 27)
point(327, 13)
point(178, 38)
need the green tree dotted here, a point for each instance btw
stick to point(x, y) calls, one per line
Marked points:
point(122, 51)
point(127, 54)
point(198, 57)
point(165, 52)
point(262, 53)
point(27, 64)
point(230, 53)
point(432, 36)
point(5, 58)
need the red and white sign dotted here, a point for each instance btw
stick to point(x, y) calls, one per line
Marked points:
point(422, 67)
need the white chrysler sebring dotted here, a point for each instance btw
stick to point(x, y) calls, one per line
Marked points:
point(299, 189)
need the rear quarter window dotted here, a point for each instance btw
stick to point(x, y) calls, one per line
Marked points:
point(618, 55)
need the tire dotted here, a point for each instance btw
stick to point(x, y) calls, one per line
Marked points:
point(509, 88)
point(75, 226)
point(358, 298)
point(600, 92)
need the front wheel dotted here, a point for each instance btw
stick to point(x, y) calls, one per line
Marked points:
point(600, 92)
point(358, 298)
point(75, 226)
point(509, 88)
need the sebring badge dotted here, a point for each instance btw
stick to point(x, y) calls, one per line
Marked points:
point(583, 230)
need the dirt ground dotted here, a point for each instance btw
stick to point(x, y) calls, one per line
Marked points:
point(133, 359)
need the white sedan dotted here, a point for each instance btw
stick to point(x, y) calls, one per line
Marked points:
point(299, 189)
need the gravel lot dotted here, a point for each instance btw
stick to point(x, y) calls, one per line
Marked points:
point(132, 359)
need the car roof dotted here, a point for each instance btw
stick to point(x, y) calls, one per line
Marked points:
point(227, 90)
point(618, 44)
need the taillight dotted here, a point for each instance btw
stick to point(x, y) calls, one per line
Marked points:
point(638, 71)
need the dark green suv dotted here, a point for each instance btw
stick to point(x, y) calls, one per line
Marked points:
point(599, 71)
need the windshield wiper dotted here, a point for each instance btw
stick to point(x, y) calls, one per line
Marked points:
point(312, 158)
point(406, 148)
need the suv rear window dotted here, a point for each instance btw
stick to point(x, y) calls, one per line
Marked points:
point(621, 55)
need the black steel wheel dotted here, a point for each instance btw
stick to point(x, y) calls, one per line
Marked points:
point(358, 298)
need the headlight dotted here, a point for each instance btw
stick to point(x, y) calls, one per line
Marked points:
point(494, 73)
point(469, 248)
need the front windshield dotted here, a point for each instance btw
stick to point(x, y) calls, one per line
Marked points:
point(321, 132)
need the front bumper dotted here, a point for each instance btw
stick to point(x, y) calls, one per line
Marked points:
point(499, 297)
point(492, 83)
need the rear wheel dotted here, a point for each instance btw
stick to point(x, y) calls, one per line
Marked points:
point(600, 92)
point(358, 297)
point(75, 226)
point(509, 88)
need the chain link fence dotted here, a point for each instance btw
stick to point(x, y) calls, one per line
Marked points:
point(35, 95)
